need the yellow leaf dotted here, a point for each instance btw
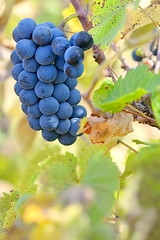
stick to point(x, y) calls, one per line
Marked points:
point(138, 18)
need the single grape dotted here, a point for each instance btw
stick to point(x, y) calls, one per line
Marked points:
point(15, 35)
point(30, 65)
point(16, 70)
point(17, 88)
point(59, 62)
point(14, 58)
point(63, 127)
point(44, 55)
point(50, 24)
point(61, 77)
point(48, 106)
point(27, 80)
point(74, 55)
point(73, 71)
point(43, 90)
point(138, 54)
point(25, 27)
point(71, 83)
point(155, 51)
point(74, 97)
point(59, 45)
point(75, 125)
point(67, 139)
point(56, 33)
point(34, 123)
point(49, 123)
point(42, 35)
point(83, 40)
point(47, 74)
point(25, 48)
point(50, 135)
point(79, 112)
point(65, 110)
point(28, 97)
point(24, 108)
point(72, 40)
point(61, 92)
point(34, 111)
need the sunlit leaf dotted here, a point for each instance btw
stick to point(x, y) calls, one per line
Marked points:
point(108, 19)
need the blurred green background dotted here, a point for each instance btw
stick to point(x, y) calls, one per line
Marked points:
point(18, 143)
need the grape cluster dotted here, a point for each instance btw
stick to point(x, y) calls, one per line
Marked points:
point(46, 68)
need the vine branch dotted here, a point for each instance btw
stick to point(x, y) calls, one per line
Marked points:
point(86, 24)
point(63, 23)
point(124, 64)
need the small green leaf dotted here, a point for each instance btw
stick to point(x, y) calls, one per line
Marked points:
point(145, 143)
point(7, 211)
point(102, 176)
point(130, 165)
point(108, 18)
point(136, 83)
point(155, 101)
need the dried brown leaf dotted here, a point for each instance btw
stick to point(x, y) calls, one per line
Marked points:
point(102, 130)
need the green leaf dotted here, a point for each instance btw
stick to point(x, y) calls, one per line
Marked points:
point(155, 101)
point(149, 166)
point(7, 210)
point(145, 143)
point(129, 170)
point(102, 176)
point(136, 83)
point(108, 18)
point(27, 184)
point(130, 165)
point(103, 232)
point(57, 172)
point(84, 155)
